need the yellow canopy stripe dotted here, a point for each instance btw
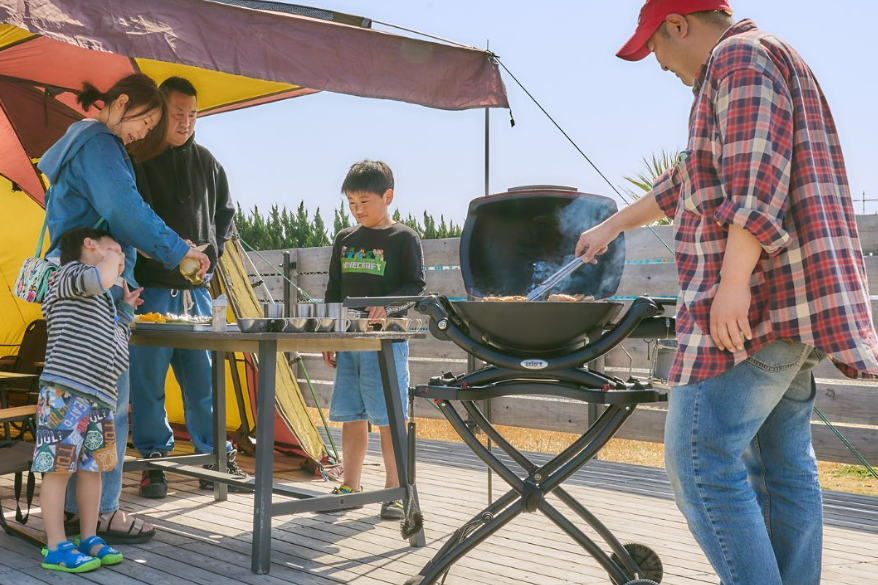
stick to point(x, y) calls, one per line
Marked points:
point(215, 89)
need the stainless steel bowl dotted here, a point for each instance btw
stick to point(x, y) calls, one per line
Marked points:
point(255, 325)
point(397, 324)
point(324, 324)
point(297, 325)
point(359, 326)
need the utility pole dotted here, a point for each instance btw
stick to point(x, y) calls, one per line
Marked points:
point(864, 200)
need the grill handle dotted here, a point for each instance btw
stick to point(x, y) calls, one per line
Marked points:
point(655, 328)
point(364, 302)
point(641, 309)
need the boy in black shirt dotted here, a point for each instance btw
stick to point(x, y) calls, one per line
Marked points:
point(378, 257)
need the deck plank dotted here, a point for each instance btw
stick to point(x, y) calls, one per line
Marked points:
point(201, 542)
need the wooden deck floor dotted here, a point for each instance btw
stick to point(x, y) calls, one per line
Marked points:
point(200, 542)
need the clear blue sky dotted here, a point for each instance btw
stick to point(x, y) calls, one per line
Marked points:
point(564, 53)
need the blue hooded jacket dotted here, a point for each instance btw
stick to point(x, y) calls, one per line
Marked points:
point(91, 179)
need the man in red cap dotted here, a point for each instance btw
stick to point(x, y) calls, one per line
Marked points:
point(772, 279)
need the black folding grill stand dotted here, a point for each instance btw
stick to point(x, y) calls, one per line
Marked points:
point(560, 376)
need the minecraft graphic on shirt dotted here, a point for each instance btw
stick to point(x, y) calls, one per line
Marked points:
point(360, 261)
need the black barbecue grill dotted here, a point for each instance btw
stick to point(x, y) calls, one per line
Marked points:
point(510, 243)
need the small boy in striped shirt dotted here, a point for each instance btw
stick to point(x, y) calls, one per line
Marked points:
point(87, 351)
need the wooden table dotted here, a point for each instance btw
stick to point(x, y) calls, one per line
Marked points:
point(266, 346)
point(15, 376)
point(5, 378)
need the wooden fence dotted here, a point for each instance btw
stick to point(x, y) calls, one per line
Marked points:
point(850, 404)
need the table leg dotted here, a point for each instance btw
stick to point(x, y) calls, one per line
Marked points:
point(7, 430)
point(390, 382)
point(260, 556)
point(220, 490)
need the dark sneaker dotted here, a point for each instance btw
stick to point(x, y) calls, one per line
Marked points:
point(153, 483)
point(233, 470)
point(392, 510)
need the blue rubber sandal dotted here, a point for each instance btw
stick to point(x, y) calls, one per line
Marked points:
point(67, 558)
point(107, 555)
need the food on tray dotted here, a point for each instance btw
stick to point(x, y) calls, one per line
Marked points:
point(150, 318)
point(570, 298)
point(189, 319)
point(175, 319)
point(504, 299)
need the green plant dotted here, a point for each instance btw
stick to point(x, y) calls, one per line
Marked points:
point(856, 471)
point(644, 180)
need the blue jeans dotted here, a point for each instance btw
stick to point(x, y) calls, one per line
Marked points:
point(740, 460)
point(111, 481)
point(358, 393)
point(151, 431)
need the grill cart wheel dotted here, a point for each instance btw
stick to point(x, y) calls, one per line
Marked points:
point(416, 580)
point(646, 559)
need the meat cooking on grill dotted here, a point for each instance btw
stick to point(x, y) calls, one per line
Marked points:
point(560, 297)
point(570, 298)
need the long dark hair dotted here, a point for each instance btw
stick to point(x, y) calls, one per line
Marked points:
point(143, 96)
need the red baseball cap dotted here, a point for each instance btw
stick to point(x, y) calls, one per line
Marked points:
point(653, 14)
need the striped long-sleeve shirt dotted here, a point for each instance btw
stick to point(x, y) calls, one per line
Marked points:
point(764, 155)
point(87, 349)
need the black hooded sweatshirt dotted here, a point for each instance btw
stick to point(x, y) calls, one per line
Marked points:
point(188, 189)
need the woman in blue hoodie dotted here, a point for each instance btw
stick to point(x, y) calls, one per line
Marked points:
point(93, 185)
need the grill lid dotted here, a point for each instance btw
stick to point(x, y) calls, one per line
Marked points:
point(513, 241)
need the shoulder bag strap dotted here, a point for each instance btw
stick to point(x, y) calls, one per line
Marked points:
point(38, 254)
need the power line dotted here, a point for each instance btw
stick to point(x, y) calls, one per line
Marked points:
point(576, 146)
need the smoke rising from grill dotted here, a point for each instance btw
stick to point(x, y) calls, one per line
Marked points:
point(601, 279)
point(514, 241)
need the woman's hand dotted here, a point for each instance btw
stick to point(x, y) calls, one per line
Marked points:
point(329, 359)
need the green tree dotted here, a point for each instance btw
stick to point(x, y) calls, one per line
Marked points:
point(318, 232)
point(289, 224)
point(303, 226)
point(429, 227)
point(275, 230)
point(341, 220)
point(282, 228)
point(242, 223)
point(413, 223)
point(259, 237)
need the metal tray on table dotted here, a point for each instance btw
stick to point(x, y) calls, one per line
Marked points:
point(178, 327)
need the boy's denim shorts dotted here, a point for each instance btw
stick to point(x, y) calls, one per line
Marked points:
point(73, 434)
point(358, 393)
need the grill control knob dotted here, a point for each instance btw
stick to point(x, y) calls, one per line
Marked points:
point(442, 325)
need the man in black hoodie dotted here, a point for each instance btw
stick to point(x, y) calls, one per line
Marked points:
point(188, 189)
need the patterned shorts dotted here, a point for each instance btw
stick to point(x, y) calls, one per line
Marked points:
point(73, 434)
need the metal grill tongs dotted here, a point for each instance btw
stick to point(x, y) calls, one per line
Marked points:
point(553, 280)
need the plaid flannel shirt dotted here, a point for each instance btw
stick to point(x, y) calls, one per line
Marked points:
point(763, 154)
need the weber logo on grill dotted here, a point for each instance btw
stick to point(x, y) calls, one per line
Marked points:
point(534, 364)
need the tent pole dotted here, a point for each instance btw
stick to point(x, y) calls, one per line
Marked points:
point(222, 285)
point(487, 192)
